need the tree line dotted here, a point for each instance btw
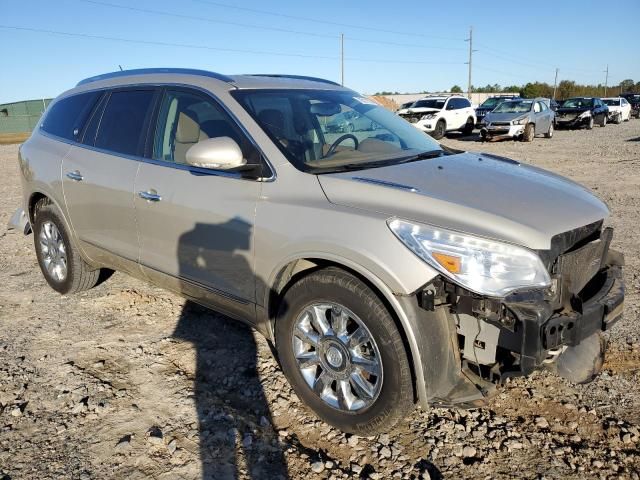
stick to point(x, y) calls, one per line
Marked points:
point(565, 89)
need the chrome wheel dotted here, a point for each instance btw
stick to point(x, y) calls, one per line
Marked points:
point(54, 251)
point(337, 356)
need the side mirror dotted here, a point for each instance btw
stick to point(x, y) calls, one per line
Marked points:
point(221, 153)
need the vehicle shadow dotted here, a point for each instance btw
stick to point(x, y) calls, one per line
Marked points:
point(474, 137)
point(236, 436)
point(637, 139)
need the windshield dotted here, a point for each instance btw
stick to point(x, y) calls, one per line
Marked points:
point(492, 102)
point(612, 102)
point(517, 106)
point(431, 103)
point(329, 130)
point(578, 103)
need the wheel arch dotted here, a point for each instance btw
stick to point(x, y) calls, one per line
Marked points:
point(300, 267)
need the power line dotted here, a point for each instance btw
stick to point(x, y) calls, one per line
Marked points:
point(323, 21)
point(221, 49)
point(533, 64)
point(255, 26)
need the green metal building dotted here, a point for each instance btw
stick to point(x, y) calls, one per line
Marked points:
point(21, 117)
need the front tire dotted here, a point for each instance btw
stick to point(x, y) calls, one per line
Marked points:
point(529, 133)
point(440, 130)
point(549, 134)
point(590, 123)
point(60, 262)
point(603, 122)
point(342, 353)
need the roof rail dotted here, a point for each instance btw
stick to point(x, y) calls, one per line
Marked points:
point(150, 71)
point(295, 77)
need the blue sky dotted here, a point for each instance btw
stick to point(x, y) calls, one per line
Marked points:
point(421, 44)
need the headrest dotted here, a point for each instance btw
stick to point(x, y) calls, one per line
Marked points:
point(188, 130)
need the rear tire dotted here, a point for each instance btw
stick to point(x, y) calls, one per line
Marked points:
point(549, 134)
point(529, 133)
point(60, 262)
point(468, 127)
point(319, 372)
point(440, 130)
point(603, 122)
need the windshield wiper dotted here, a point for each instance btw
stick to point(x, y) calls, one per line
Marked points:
point(422, 156)
point(382, 163)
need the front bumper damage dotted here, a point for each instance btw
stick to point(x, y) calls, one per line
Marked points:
point(571, 120)
point(499, 338)
point(500, 130)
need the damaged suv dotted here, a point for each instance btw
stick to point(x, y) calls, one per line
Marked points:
point(386, 269)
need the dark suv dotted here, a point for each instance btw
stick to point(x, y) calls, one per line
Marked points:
point(634, 100)
point(489, 104)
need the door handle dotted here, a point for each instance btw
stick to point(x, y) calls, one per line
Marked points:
point(75, 175)
point(150, 196)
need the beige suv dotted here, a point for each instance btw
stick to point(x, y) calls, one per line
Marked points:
point(386, 269)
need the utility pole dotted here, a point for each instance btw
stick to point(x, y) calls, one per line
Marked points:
point(555, 85)
point(606, 80)
point(470, 40)
point(342, 59)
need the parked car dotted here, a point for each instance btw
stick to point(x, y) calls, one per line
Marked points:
point(403, 108)
point(441, 114)
point(349, 122)
point(386, 270)
point(488, 105)
point(634, 100)
point(522, 118)
point(619, 109)
point(582, 112)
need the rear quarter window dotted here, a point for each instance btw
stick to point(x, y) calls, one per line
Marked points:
point(67, 116)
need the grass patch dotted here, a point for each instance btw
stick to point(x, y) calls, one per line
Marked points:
point(11, 138)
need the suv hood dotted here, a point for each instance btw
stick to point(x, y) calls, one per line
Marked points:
point(473, 193)
point(422, 110)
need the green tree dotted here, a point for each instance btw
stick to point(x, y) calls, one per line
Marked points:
point(536, 89)
point(627, 85)
point(456, 89)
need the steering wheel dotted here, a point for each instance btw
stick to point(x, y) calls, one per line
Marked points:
point(341, 139)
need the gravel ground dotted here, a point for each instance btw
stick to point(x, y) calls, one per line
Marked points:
point(129, 381)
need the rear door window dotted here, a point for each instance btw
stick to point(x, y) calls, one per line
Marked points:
point(124, 123)
point(67, 116)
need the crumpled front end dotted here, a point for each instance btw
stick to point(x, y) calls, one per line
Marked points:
point(561, 325)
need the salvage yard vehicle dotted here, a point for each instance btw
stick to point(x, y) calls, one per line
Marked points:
point(582, 112)
point(438, 115)
point(522, 118)
point(386, 269)
point(634, 100)
point(619, 109)
point(489, 104)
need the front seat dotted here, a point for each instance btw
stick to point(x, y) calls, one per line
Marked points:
point(188, 133)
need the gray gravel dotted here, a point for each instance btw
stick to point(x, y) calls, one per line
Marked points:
point(129, 381)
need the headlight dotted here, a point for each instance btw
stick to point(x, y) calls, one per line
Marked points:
point(519, 121)
point(585, 114)
point(484, 266)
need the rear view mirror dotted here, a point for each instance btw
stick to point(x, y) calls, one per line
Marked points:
point(221, 153)
point(325, 109)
